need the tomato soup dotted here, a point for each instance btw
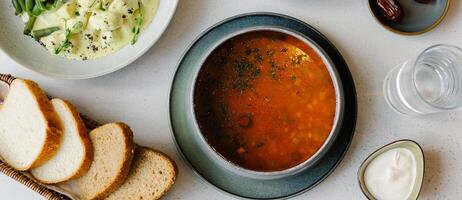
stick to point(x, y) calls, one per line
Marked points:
point(265, 101)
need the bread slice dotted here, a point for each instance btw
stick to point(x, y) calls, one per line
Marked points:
point(113, 154)
point(151, 176)
point(75, 154)
point(30, 130)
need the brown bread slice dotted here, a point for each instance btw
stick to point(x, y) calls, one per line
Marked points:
point(152, 175)
point(113, 154)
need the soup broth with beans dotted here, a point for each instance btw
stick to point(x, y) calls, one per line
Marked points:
point(265, 101)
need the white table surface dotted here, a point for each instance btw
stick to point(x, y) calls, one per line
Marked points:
point(138, 93)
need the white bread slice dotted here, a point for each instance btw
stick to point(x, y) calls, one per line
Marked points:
point(30, 130)
point(113, 154)
point(151, 176)
point(75, 154)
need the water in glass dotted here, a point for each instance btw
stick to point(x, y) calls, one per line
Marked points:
point(429, 84)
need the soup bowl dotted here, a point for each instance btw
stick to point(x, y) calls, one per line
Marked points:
point(208, 149)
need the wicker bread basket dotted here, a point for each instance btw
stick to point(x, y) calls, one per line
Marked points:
point(20, 177)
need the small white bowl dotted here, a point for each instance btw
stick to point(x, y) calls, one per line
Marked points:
point(410, 145)
point(28, 53)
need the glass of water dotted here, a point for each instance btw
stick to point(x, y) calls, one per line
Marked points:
point(431, 83)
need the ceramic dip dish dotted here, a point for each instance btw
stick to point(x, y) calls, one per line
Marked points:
point(394, 171)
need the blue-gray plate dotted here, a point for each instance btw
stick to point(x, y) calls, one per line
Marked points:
point(418, 17)
point(185, 132)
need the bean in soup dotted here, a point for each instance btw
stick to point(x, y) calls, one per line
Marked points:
point(265, 101)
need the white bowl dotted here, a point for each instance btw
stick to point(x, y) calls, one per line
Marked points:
point(28, 53)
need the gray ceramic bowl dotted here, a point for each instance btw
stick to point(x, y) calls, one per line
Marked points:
point(418, 18)
point(276, 174)
point(209, 165)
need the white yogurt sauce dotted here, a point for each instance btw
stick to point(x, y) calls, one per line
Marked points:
point(391, 175)
point(107, 26)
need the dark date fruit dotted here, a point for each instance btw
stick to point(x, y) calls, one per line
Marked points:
point(423, 1)
point(391, 10)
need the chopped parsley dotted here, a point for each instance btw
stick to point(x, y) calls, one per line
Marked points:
point(246, 72)
point(273, 70)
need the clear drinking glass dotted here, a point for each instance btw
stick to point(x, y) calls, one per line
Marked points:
point(431, 83)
